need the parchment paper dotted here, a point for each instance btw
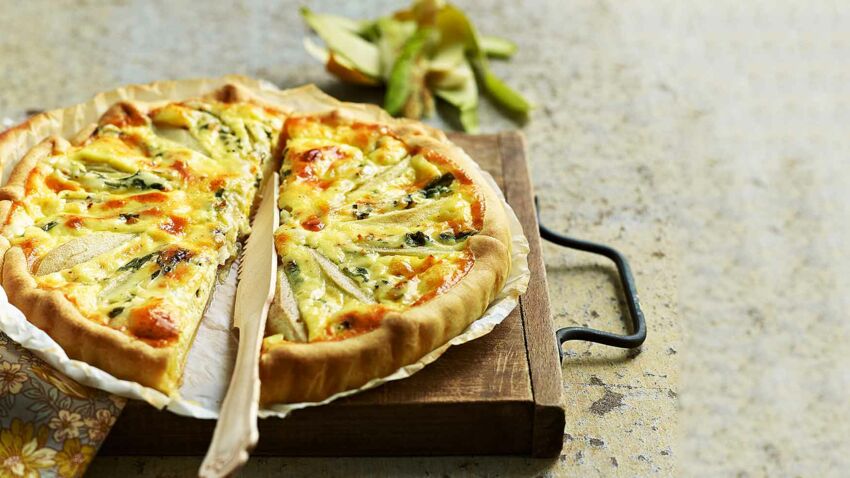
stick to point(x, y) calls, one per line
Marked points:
point(213, 353)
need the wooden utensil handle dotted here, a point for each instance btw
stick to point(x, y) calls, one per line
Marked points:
point(235, 436)
point(236, 432)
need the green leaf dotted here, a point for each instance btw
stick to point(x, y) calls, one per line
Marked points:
point(342, 41)
point(399, 84)
point(497, 47)
point(137, 262)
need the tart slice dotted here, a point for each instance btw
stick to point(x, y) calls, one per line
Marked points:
point(390, 244)
point(115, 238)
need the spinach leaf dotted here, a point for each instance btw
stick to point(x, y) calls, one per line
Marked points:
point(138, 183)
point(361, 211)
point(357, 272)
point(416, 239)
point(168, 259)
point(138, 180)
point(293, 272)
point(439, 185)
point(450, 236)
point(137, 263)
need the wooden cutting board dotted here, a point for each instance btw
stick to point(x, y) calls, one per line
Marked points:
point(500, 394)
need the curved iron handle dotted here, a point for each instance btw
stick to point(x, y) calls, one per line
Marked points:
point(627, 281)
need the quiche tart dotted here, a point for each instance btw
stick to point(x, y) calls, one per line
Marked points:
point(116, 224)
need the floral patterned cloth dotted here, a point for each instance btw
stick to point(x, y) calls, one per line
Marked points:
point(49, 424)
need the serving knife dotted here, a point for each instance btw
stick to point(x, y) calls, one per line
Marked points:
point(236, 432)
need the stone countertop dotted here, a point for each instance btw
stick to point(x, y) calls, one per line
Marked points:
point(707, 141)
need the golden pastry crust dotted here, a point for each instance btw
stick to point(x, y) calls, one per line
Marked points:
point(314, 371)
point(290, 372)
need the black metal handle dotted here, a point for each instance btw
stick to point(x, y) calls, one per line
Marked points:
point(627, 281)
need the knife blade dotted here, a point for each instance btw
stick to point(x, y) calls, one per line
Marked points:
point(236, 431)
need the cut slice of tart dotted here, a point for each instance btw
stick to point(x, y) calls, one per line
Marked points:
point(116, 237)
point(390, 244)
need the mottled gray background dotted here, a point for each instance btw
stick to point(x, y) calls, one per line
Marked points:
point(708, 140)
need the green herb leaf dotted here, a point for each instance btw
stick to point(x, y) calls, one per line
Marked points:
point(137, 263)
point(357, 273)
point(361, 211)
point(50, 225)
point(455, 237)
point(439, 185)
point(416, 239)
point(168, 259)
point(141, 180)
point(293, 272)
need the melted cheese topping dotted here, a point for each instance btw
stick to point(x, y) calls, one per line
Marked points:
point(368, 225)
point(133, 224)
point(166, 197)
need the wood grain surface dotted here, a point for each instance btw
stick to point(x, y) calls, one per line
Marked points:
point(500, 394)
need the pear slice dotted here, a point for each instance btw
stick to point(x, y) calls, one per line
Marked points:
point(182, 137)
point(393, 35)
point(409, 216)
point(445, 70)
point(284, 316)
point(80, 250)
point(410, 251)
point(363, 55)
point(401, 83)
point(384, 177)
point(338, 65)
point(464, 97)
point(343, 281)
point(497, 47)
